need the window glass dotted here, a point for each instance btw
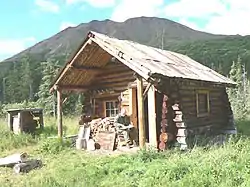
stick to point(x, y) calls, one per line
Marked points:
point(111, 108)
point(202, 99)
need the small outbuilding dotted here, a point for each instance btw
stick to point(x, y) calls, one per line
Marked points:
point(168, 96)
point(26, 120)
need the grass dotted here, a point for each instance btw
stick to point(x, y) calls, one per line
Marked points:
point(64, 166)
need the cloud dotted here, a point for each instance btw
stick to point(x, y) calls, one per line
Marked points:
point(234, 21)
point(65, 25)
point(189, 24)
point(194, 8)
point(47, 6)
point(94, 3)
point(130, 8)
point(221, 16)
point(9, 47)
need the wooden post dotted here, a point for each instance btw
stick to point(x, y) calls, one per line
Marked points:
point(10, 121)
point(59, 113)
point(132, 107)
point(152, 117)
point(141, 112)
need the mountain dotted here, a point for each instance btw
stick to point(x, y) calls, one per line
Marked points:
point(151, 31)
point(28, 78)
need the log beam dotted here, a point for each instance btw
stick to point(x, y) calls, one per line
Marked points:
point(59, 113)
point(152, 117)
point(141, 111)
point(88, 68)
point(65, 69)
point(146, 91)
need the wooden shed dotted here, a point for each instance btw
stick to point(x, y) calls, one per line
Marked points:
point(25, 120)
point(168, 95)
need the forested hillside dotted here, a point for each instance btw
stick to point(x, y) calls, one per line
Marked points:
point(220, 53)
point(27, 76)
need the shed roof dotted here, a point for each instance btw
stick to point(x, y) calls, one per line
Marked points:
point(97, 50)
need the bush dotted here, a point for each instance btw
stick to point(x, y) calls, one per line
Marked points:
point(53, 146)
point(10, 141)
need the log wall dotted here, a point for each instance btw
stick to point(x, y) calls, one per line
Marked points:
point(216, 117)
point(114, 78)
point(183, 103)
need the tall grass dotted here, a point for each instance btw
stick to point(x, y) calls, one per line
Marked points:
point(64, 166)
point(226, 166)
point(10, 141)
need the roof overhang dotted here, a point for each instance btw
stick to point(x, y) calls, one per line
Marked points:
point(97, 50)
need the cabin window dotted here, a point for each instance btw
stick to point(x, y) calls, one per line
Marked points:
point(202, 103)
point(111, 108)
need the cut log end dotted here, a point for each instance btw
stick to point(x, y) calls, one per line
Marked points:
point(27, 166)
point(11, 160)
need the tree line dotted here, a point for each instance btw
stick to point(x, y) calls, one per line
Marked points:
point(27, 83)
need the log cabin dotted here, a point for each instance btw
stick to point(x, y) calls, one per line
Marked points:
point(168, 95)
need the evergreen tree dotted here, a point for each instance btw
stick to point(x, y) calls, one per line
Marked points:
point(26, 79)
point(239, 96)
point(13, 85)
point(46, 99)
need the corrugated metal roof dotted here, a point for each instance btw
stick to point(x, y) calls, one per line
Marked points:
point(144, 60)
point(150, 60)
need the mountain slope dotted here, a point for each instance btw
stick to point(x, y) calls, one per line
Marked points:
point(146, 30)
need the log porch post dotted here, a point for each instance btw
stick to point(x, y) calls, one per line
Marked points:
point(141, 111)
point(152, 117)
point(59, 112)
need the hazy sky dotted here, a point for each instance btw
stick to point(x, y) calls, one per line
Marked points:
point(26, 22)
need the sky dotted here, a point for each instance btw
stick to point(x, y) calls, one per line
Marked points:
point(26, 22)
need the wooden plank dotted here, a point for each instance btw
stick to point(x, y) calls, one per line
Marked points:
point(142, 138)
point(106, 140)
point(152, 117)
point(59, 113)
point(10, 121)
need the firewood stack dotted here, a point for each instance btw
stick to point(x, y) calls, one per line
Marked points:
point(98, 125)
point(96, 134)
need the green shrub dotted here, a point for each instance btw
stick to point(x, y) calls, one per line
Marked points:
point(10, 141)
point(53, 146)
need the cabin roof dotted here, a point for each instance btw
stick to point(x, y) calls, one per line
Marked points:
point(98, 49)
point(24, 110)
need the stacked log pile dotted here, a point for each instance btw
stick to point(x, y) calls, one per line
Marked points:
point(164, 135)
point(20, 163)
point(181, 132)
point(100, 131)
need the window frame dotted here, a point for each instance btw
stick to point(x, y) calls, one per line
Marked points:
point(202, 114)
point(105, 109)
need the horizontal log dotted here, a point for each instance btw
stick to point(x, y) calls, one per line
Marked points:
point(181, 132)
point(114, 75)
point(27, 166)
point(181, 140)
point(107, 71)
point(125, 78)
point(11, 160)
point(193, 124)
point(76, 88)
point(180, 124)
point(86, 68)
